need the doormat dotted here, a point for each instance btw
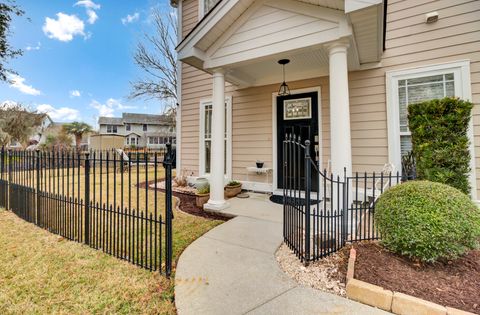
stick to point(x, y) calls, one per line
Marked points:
point(279, 200)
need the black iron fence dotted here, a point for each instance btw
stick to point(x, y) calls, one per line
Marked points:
point(323, 212)
point(106, 199)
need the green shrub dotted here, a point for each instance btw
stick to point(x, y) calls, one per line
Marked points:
point(205, 189)
point(440, 141)
point(427, 221)
point(233, 183)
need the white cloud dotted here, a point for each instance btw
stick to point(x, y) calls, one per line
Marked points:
point(37, 47)
point(92, 16)
point(88, 4)
point(108, 109)
point(64, 28)
point(131, 18)
point(103, 109)
point(59, 114)
point(75, 93)
point(18, 83)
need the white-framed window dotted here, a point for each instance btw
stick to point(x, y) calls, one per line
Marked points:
point(419, 84)
point(418, 89)
point(132, 140)
point(128, 127)
point(206, 137)
point(111, 128)
point(205, 6)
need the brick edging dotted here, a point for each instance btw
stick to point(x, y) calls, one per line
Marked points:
point(391, 301)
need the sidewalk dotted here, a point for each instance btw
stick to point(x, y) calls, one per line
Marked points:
point(232, 270)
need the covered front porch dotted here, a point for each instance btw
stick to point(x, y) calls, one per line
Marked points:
point(240, 44)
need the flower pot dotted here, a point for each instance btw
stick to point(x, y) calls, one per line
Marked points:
point(232, 191)
point(260, 164)
point(200, 182)
point(201, 199)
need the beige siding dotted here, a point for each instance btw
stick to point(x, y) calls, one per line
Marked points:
point(409, 42)
point(189, 15)
point(252, 125)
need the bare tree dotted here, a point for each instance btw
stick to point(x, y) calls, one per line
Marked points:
point(157, 57)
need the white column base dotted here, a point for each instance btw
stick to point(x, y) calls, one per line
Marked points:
point(212, 205)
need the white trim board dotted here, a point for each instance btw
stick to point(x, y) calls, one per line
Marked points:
point(317, 89)
point(178, 127)
point(461, 70)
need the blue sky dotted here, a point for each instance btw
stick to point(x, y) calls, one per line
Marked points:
point(78, 59)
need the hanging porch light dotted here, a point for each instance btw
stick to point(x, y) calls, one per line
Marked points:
point(284, 89)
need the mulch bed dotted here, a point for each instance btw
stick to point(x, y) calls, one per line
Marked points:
point(187, 203)
point(450, 283)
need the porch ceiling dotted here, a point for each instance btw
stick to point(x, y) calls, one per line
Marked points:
point(305, 64)
point(247, 37)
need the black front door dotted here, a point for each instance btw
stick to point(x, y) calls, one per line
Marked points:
point(297, 114)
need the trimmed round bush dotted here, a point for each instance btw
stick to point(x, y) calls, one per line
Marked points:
point(427, 221)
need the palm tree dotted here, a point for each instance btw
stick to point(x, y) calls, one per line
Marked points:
point(78, 129)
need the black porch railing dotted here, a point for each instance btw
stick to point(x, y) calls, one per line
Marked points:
point(323, 212)
point(105, 199)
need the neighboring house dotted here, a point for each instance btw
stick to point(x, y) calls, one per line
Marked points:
point(354, 67)
point(139, 130)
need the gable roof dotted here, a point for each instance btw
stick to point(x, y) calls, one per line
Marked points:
point(110, 120)
point(359, 21)
point(133, 118)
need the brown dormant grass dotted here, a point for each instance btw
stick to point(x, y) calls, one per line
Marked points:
point(43, 273)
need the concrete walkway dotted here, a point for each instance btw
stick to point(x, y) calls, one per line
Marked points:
point(232, 270)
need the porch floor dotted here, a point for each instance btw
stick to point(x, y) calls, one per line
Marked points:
point(232, 269)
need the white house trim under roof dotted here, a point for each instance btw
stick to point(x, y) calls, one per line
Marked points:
point(240, 36)
point(461, 71)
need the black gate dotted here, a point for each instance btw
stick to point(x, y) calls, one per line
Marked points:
point(318, 222)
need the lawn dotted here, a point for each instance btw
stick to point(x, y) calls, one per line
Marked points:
point(43, 273)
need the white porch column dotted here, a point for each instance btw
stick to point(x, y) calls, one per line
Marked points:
point(217, 162)
point(340, 140)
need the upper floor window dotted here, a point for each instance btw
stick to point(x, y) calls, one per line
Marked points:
point(145, 128)
point(206, 6)
point(128, 127)
point(111, 129)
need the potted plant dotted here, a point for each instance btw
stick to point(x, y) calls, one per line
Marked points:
point(202, 195)
point(259, 164)
point(233, 188)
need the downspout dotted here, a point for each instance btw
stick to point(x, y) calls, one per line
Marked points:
point(385, 6)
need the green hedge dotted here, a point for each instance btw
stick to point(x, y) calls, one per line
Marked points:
point(440, 141)
point(427, 221)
